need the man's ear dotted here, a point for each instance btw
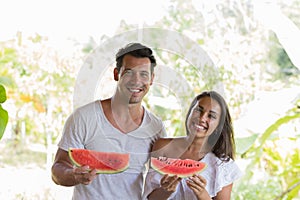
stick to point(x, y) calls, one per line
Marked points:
point(152, 78)
point(116, 74)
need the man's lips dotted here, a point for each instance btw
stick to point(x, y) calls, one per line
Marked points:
point(135, 90)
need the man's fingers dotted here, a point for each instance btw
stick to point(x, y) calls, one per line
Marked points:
point(84, 174)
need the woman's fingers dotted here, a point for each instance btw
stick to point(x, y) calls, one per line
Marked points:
point(196, 183)
point(169, 183)
point(202, 179)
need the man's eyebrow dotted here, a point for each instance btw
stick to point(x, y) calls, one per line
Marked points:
point(131, 69)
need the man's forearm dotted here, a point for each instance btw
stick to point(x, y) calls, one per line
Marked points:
point(63, 175)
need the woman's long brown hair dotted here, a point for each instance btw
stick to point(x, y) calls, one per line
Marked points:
point(222, 139)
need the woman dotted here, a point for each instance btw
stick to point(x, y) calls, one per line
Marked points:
point(209, 139)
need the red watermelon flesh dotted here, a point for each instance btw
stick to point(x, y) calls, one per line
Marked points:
point(103, 162)
point(179, 167)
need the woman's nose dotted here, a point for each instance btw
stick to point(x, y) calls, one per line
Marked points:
point(203, 117)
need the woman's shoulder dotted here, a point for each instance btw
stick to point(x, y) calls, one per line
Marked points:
point(227, 165)
point(161, 142)
point(162, 146)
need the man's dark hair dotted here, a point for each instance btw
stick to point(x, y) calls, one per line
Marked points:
point(137, 50)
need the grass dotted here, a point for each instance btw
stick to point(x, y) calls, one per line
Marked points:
point(20, 155)
point(24, 169)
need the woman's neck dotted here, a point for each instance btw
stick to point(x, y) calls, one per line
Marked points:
point(198, 145)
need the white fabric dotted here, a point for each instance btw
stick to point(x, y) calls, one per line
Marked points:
point(218, 174)
point(88, 128)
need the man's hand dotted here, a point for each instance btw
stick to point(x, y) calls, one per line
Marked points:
point(83, 175)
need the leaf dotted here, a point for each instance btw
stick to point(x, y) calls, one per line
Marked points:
point(3, 121)
point(2, 94)
point(3, 113)
point(268, 132)
point(244, 143)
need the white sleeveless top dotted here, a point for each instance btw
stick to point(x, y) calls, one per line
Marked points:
point(218, 174)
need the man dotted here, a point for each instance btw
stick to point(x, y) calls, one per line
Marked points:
point(118, 124)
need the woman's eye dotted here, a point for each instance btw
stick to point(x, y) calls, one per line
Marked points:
point(213, 116)
point(198, 109)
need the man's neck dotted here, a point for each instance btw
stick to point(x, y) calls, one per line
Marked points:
point(125, 108)
point(125, 117)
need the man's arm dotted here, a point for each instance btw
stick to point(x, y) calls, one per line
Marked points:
point(63, 172)
point(62, 169)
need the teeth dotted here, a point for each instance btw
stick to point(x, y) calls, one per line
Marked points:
point(134, 90)
point(200, 127)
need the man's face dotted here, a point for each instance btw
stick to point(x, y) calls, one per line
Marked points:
point(134, 78)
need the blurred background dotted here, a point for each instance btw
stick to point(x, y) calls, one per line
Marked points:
point(253, 44)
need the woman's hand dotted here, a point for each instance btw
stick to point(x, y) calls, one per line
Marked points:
point(197, 183)
point(169, 183)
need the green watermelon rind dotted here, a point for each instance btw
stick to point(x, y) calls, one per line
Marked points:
point(182, 175)
point(100, 171)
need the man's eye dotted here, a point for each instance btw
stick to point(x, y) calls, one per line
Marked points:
point(128, 72)
point(144, 74)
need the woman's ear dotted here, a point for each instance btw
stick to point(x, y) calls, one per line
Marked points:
point(116, 74)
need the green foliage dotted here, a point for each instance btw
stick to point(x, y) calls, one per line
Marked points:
point(245, 143)
point(3, 112)
point(22, 156)
point(264, 188)
point(279, 57)
point(256, 149)
point(46, 77)
point(274, 155)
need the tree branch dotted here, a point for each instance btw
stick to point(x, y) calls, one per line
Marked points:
point(287, 191)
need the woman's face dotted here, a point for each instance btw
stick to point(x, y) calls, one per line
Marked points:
point(204, 117)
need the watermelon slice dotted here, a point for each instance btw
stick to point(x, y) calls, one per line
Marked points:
point(103, 162)
point(179, 167)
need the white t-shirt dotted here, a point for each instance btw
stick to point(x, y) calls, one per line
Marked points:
point(218, 174)
point(88, 128)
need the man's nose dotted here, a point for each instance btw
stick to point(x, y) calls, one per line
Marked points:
point(135, 77)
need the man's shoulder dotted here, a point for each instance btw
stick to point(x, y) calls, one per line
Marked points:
point(88, 108)
point(152, 115)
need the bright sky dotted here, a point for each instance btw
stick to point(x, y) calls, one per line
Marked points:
point(77, 19)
